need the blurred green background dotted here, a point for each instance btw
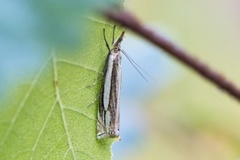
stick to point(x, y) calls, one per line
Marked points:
point(186, 118)
point(180, 116)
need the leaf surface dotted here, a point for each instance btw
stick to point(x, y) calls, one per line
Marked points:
point(54, 114)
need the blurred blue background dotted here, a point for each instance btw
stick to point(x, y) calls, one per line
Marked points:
point(136, 90)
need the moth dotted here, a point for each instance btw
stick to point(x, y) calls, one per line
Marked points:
point(109, 105)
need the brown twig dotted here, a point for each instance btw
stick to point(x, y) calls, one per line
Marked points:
point(128, 21)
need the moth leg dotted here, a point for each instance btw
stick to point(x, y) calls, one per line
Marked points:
point(96, 81)
point(94, 101)
point(104, 36)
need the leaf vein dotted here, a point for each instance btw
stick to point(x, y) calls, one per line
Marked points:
point(23, 103)
point(97, 21)
point(80, 65)
point(47, 154)
point(61, 106)
point(42, 129)
point(74, 110)
point(66, 153)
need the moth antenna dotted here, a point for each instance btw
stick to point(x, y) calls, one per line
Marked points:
point(113, 37)
point(137, 67)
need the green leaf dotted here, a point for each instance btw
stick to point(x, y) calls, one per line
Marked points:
point(54, 115)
